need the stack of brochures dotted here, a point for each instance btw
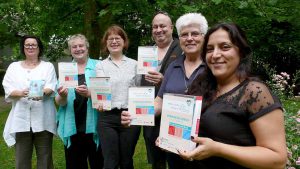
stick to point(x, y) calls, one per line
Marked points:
point(100, 92)
point(68, 74)
point(141, 105)
point(147, 59)
point(36, 88)
point(180, 120)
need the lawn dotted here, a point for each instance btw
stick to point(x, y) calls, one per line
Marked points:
point(7, 158)
point(140, 162)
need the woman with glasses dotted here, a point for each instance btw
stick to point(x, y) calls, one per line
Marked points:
point(117, 142)
point(182, 72)
point(29, 85)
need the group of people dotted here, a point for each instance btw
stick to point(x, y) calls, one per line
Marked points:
point(241, 126)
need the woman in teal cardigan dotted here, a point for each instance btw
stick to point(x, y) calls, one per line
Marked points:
point(77, 120)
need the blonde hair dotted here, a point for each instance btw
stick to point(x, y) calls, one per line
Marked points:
point(77, 36)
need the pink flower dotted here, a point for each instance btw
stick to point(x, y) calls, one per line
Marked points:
point(285, 74)
point(298, 120)
point(298, 161)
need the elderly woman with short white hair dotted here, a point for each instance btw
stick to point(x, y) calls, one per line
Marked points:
point(191, 28)
point(182, 72)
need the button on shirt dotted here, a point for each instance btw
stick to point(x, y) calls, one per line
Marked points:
point(122, 77)
point(25, 113)
point(175, 80)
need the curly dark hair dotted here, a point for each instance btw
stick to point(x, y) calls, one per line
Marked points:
point(206, 84)
point(38, 40)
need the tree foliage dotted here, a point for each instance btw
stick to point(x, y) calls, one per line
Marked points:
point(272, 26)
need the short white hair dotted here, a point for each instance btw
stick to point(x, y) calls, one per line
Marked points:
point(191, 19)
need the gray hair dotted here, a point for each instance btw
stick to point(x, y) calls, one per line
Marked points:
point(191, 19)
point(77, 36)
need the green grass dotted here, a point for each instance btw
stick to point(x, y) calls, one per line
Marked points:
point(292, 128)
point(7, 158)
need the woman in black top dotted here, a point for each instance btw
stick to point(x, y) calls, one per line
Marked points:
point(242, 123)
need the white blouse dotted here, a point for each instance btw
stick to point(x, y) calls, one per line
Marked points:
point(26, 113)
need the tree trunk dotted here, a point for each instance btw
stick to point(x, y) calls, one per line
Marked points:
point(94, 26)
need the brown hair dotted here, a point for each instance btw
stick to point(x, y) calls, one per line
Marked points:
point(114, 29)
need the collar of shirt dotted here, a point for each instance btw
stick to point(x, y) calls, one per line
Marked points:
point(179, 62)
point(124, 58)
point(89, 63)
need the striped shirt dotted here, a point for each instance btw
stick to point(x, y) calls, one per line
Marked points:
point(122, 77)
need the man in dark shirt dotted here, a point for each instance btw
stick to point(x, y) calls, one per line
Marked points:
point(168, 50)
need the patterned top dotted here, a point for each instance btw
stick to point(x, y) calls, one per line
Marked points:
point(122, 77)
point(227, 119)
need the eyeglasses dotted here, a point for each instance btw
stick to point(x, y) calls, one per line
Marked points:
point(33, 46)
point(111, 40)
point(192, 34)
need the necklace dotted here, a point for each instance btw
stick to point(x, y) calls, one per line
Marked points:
point(185, 83)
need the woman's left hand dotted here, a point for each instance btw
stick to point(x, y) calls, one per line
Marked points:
point(206, 147)
point(83, 91)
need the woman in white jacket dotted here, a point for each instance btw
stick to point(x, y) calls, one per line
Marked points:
point(31, 121)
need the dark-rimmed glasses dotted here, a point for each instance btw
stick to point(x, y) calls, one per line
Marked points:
point(33, 46)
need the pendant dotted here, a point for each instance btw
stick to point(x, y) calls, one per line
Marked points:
point(186, 90)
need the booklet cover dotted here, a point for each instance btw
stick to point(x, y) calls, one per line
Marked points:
point(68, 74)
point(101, 92)
point(147, 59)
point(141, 105)
point(180, 120)
point(36, 88)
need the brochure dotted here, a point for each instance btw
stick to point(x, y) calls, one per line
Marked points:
point(36, 88)
point(141, 105)
point(147, 59)
point(101, 92)
point(180, 120)
point(68, 74)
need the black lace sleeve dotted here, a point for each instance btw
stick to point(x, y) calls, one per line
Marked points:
point(259, 100)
